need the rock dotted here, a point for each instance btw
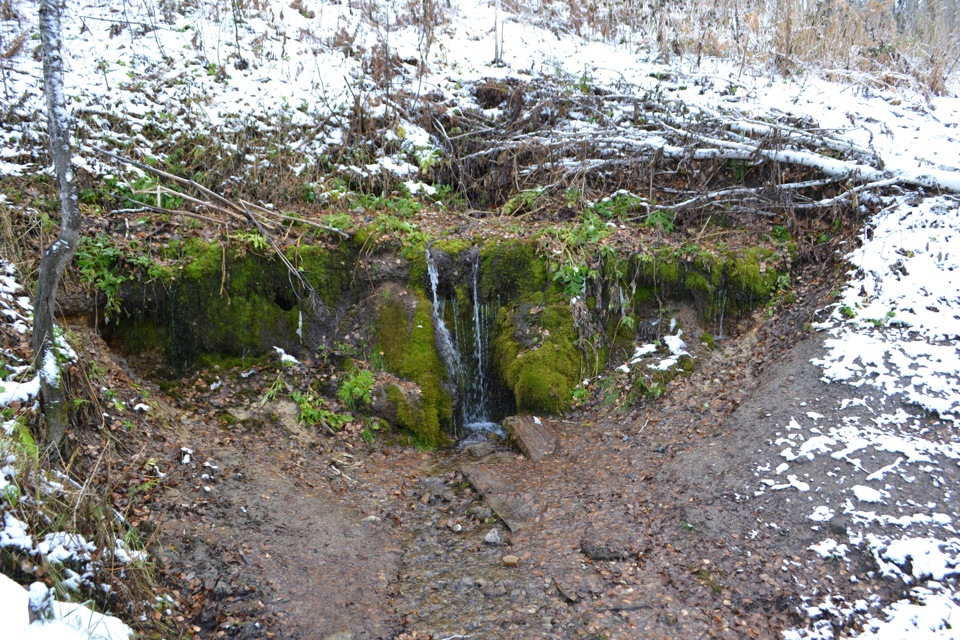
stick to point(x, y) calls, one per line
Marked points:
point(535, 439)
point(514, 508)
point(493, 537)
point(495, 590)
point(511, 561)
point(598, 545)
point(838, 526)
point(480, 511)
point(566, 592)
point(340, 635)
point(390, 399)
point(479, 449)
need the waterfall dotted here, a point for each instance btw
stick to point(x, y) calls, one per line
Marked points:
point(464, 351)
point(445, 343)
point(479, 412)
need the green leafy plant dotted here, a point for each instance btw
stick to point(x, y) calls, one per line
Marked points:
point(252, 239)
point(98, 260)
point(357, 388)
point(780, 234)
point(310, 410)
point(660, 219)
point(368, 433)
point(524, 202)
point(278, 385)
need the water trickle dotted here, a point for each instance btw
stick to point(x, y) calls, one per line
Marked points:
point(445, 343)
point(465, 352)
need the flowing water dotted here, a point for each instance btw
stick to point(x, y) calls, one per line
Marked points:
point(466, 352)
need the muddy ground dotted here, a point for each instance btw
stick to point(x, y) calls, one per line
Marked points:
point(644, 523)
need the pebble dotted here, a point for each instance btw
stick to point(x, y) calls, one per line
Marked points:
point(493, 537)
point(511, 561)
point(838, 526)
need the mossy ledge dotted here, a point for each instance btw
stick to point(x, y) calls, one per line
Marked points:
point(405, 336)
point(230, 302)
point(536, 355)
point(719, 281)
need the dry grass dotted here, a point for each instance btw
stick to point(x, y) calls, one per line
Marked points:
point(913, 42)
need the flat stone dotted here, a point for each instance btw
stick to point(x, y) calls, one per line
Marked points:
point(511, 561)
point(534, 437)
point(514, 508)
point(479, 449)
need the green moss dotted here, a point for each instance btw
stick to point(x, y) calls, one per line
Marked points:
point(361, 237)
point(511, 269)
point(417, 277)
point(329, 271)
point(754, 272)
point(407, 341)
point(201, 258)
point(707, 338)
point(544, 376)
point(739, 280)
point(452, 246)
point(223, 304)
point(142, 334)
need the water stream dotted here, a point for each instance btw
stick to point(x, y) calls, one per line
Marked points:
point(465, 352)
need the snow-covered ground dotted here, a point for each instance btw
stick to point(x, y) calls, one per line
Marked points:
point(296, 75)
point(892, 337)
point(70, 552)
point(69, 621)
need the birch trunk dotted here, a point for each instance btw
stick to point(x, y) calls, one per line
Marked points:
point(59, 254)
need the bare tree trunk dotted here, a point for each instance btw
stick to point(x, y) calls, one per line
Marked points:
point(59, 254)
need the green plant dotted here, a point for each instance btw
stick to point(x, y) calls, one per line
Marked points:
point(310, 410)
point(573, 277)
point(253, 239)
point(368, 433)
point(580, 244)
point(356, 388)
point(524, 202)
point(780, 234)
point(412, 239)
point(660, 219)
point(337, 220)
point(98, 260)
point(617, 207)
point(278, 385)
point(581, 394)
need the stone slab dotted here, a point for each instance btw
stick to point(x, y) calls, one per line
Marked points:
point(534, 436)
point(513, 507)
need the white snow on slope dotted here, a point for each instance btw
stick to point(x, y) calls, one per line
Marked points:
point(893, 335)
point(71, 621)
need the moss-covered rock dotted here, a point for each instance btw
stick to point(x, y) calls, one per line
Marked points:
point(224, 303)
point(536, 355)
point(405, 335)
point(328, 271)
point(716, 280)
point(511, 269)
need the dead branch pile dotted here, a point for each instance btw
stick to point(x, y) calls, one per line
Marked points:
point(669, 154)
